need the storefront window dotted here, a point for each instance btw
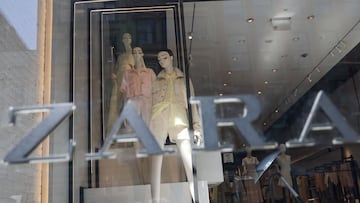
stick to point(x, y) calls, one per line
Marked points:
point(179, 101)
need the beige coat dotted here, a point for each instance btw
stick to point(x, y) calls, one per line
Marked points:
point(161, 112)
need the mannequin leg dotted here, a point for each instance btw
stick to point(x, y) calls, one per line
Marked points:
point(156, 163)
point(184, 147)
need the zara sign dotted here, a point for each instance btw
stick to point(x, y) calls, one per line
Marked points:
point(210, 123)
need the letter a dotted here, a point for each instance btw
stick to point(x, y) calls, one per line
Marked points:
point(142, 133)
point(335, 118)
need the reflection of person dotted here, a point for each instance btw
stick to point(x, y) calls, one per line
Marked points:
point(137, 85)
point(253, 190)
point(169, 117)
point(125, 62)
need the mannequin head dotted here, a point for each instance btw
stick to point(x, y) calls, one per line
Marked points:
point(248, 151)
point(138, 53)
point(126, 39)
point(138, 56)
point(282, 148)
point(165, 58)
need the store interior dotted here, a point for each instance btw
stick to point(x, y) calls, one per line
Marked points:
point(274, 88)
point(283, 52)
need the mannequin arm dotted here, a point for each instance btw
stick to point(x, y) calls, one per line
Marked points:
point(244, 171)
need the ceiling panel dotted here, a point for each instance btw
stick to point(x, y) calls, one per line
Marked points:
point(290, 44)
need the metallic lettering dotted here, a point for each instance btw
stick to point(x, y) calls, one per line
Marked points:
point(141, 133)
point(57, 113)
point(210, 121)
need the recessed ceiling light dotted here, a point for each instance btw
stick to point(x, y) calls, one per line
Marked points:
point(274, 70)
point(229, 72)
point(259, 92)
point(242, 41)
point(304, 55)
point(276, 111)
point(234, 58)
point(296, 38)
point(266, 82)
point(225, 84)
point(190, 36)
point(220, 94)
point(310, 17)
point(250, 20)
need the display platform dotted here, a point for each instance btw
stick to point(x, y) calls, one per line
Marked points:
point(170, 192)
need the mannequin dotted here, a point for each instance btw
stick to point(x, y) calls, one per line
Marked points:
point(284, 162)
point(125, 62)
point(136, 85)
point(253, 190)
point(169, 117)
